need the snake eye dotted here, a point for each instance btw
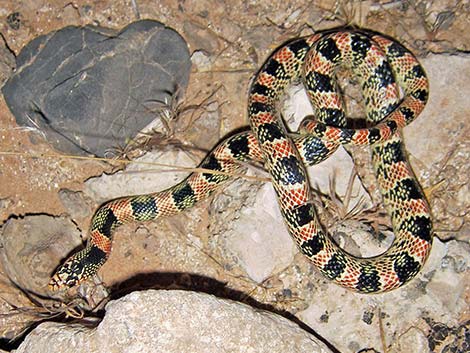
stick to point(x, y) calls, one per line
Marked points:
point(71, 281)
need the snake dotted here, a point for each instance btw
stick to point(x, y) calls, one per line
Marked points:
point(395, 90)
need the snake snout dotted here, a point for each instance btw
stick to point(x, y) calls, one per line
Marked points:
point(56, 283)
point(61, 280)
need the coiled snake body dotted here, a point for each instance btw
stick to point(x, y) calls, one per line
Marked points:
point(381, 65)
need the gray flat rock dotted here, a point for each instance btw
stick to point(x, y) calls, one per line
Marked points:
point(90, 89)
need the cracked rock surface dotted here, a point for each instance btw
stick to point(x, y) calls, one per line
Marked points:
point(176, 321)
point(91, 89)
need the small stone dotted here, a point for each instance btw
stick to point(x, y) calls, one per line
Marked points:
point(201, 60)
point(5, 203)
point(413, 340)
point(201, 37)
point(75, 203)
point(14, 20)
point(367, 317)
point(324, 318)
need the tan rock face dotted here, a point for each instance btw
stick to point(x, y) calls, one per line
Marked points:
point(31, 247)
point(176, 321)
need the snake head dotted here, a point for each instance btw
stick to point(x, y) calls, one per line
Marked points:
point(68, 275)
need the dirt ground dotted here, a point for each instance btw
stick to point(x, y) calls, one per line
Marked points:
point(235, 37)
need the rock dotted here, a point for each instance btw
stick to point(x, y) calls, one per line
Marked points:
point(413, 340)
point(76, 203)
point(144, 175)
point(5, 203)
point(175, 321)
point(14, 20)
point(7, 61)
point(258, 236)
point(446, 113)
point(201, 37)
point(30, 249)
point(14, 322)
point(33, 246)
point(201, 60)
point(91, 89)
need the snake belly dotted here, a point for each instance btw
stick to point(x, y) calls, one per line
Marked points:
point(381, 65)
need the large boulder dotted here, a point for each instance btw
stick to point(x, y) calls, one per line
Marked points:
point(176, 321)
point(91, 89)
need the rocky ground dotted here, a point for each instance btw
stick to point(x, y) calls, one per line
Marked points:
point(235, 245)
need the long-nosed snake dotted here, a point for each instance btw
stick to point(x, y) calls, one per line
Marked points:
point(381, 65)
